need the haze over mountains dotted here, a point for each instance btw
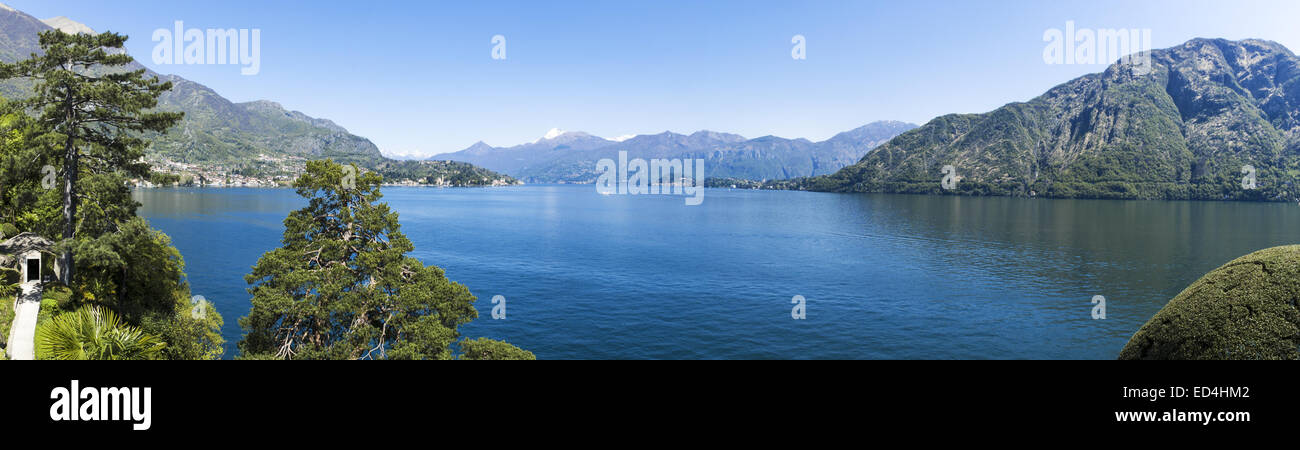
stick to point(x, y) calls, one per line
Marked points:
point(1183, 130)
point(571, 156)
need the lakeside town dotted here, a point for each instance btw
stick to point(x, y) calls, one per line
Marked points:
point(277, 171)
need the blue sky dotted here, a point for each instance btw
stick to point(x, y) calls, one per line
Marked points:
point(418, 78)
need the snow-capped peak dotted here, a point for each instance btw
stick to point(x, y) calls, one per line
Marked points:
point(554, 133)
point(623, 138)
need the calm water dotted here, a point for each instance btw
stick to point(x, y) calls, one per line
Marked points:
point(885, 276)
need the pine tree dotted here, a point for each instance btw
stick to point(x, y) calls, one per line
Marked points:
point(342, 286)
point(92, 112)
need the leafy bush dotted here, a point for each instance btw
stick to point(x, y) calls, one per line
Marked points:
point(483, 349)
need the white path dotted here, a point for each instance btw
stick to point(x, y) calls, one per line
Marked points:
point(22, 335)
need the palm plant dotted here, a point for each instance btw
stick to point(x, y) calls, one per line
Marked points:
point(94, 332)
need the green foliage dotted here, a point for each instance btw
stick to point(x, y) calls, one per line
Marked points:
point(124, 265)
point(49, 309)
point(170, 179)
point(6, 317)
point(792, 184)
point(1245, 309)
point(482, 349)
point(20, 165)
point(342, 287)
point(192, 331)
point(136, 271)
point(94, 333)
point(90, 113)
point(133, 269)
point(43, 215)
point(451, 173)
point(8, 230)
point(9, 280)
point(59, 294)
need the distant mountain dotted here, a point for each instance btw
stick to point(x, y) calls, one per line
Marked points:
point(527, 158)
point(252, 137)
point(1182, 130)
point(572, 156)
point(214, 129)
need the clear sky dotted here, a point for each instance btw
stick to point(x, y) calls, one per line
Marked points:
point(417, 77)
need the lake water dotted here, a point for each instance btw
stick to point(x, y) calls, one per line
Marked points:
point(884, 276)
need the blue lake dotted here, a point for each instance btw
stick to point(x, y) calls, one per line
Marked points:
point(884, 276)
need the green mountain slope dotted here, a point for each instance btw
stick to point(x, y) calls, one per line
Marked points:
point(217, 136)
point(1182, 130)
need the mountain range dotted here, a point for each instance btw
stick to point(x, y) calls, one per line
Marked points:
point(1210, 119)
point(252, 137)
point(1198, 122)
point(571, 156)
